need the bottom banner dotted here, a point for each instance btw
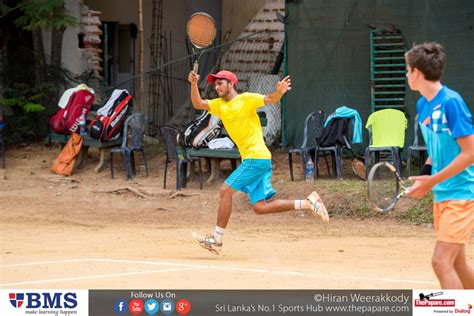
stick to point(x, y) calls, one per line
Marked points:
point(17, 302)
point(251, 302)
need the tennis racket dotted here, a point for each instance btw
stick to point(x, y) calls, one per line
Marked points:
point(201, 31)
point(358, 167)
point(384, 186)
point(357, 162)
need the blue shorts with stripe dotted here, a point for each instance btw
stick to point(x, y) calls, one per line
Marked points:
point(253, 177)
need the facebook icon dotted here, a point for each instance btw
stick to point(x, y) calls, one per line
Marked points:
point(120, 307)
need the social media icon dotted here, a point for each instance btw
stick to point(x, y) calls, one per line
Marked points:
point(120, 307)
point(136, 307)
point(183, 306)
point(152, 307)
point(167, 306)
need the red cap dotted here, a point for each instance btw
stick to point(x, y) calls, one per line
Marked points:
point(223, 74)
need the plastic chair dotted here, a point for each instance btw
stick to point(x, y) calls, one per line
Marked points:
point(386, 134)
point(313, 126)
point(132, 141)
point(333, 139)
point(415, 147)
point(179, 154)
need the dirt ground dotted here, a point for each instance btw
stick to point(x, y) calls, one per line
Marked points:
point(72, 232)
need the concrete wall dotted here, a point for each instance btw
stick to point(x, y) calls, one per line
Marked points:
point(71, 54)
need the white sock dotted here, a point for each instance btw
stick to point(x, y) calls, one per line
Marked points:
point(298, 205)
point(218, 234)
point(302, 205)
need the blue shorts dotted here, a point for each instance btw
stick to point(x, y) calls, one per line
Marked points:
point(253, 177)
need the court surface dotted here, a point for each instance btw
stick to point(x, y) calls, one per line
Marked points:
point(71, 233)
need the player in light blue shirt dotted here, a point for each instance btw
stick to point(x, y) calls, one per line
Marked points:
point(446, 125)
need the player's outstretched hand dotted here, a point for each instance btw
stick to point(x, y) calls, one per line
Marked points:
point(193, 77)
point(284, 85)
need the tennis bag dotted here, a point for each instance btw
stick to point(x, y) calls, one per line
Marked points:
point(333, 134)
point(72, 104)
point(202, 130)
point(108, 123)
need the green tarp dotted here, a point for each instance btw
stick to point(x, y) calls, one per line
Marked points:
point(329, 52)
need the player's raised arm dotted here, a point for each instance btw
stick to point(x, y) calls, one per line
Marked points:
point(282, 87)
point(198, 102)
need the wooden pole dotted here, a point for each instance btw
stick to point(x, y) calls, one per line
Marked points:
point(141, 70)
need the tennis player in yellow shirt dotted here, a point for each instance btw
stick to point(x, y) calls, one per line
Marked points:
point(238, 113)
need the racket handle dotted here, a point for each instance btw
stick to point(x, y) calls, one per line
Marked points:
point(196, 67)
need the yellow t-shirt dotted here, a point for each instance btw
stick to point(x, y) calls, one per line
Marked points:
point(241, 121)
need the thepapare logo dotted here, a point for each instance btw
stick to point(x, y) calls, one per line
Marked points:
point(16, 299)
point(44, 300)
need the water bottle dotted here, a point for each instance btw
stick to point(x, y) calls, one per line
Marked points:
point(82, 125)
point(309, 169)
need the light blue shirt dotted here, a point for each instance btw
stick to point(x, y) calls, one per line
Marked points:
point(442, 120)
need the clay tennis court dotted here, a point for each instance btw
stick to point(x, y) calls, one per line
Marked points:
point(75, 233)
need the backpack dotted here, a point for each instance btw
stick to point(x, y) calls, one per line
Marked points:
point(333, 134)
point(75, 102)
point(108, 123)
point(201, 131)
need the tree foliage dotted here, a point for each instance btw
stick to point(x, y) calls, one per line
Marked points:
point(25, 111)
point(32, 85)
point(41, 15)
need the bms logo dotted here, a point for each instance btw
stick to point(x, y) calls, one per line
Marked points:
point(16, 299)
point(44, 300)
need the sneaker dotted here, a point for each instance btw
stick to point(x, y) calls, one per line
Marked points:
point(317, 206)
point(208, 242)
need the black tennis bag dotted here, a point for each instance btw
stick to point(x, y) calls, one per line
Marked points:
point(333, 134)
point(202, 130)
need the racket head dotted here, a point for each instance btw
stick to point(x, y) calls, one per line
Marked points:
point(383, 186)
point(358, 167)
point(201, 30)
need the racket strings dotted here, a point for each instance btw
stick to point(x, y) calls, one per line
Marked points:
point(383, 187)
point(201, 31)
point(359, 168)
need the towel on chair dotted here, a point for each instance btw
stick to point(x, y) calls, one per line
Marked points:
point(221, 143)
point(347, 112)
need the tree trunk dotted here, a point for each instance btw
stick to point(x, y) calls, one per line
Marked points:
point(38, 49)
point(57, 47)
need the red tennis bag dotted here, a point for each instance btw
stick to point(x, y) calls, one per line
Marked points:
point(66, 120)
point(108, 123)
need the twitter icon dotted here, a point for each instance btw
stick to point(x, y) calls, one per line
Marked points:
point(152, 307)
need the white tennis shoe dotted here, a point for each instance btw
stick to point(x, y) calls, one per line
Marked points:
point(208, 242)
point(317, 206)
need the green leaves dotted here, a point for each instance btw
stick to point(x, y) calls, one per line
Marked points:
point(42, 14)
point(30, 107)
point(24, 104)
point(25, 97)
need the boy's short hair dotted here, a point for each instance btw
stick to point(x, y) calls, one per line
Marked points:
point(429, 58)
